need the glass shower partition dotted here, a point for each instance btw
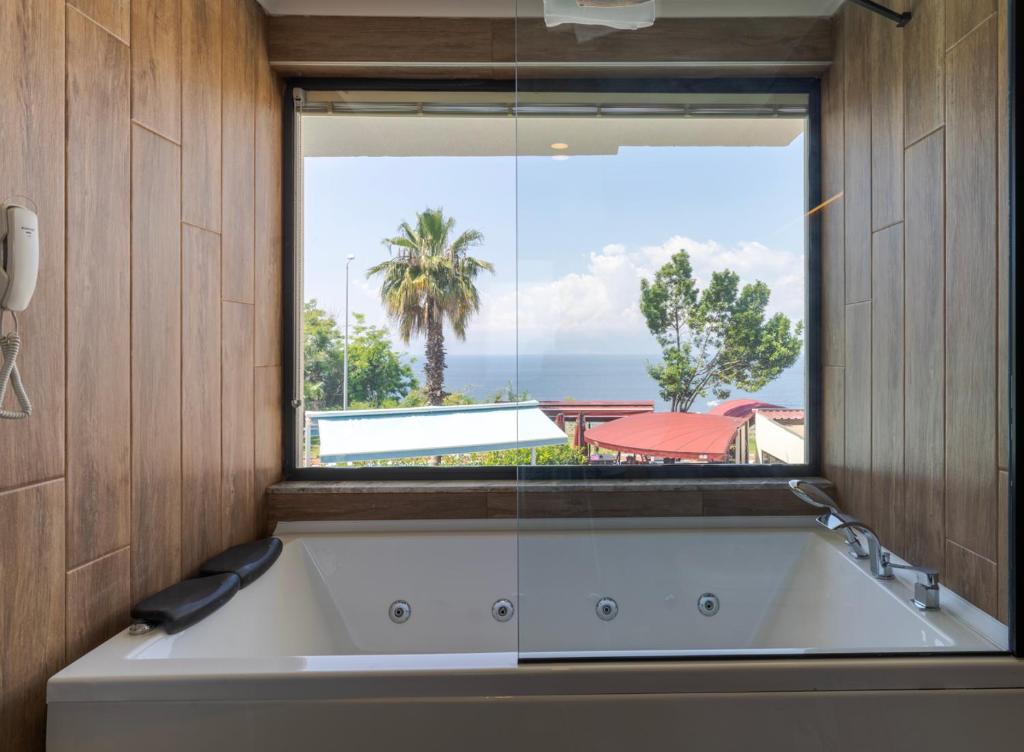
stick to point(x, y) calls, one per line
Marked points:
point(666, 181)
point(703, 202)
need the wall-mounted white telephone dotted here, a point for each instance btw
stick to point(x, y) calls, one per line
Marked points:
point(19, 266)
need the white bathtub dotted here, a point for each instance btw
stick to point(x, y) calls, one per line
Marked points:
point(307, 656)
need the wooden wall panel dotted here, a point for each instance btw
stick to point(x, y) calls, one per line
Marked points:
point(200, 113)
point(98, 294)
point(268, 260)
point(924, 534)
point(239, 518)
point(32, 139)
point(729, 40)
point(31, 609)
point(887, 384)
point(296, 41)
point(1003, 189)
point(268, 450)
point(972, 576)
point(833, 225)
point(1003, 557)
point(112, 15)
point(156, 66)
point(767, 501)
point(99, 600)
point(834, 428)
point(954, 283)
point(886, 81)
point(156, 362)
point(971, 260)
point(857, 197)
point(86, 532)
point(923, 69)
point(964, 15)
point(390, 500)
point(857, 387)
point(359, 39)
point(238, 171)
point(200, 397)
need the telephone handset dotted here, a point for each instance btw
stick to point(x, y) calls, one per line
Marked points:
point(19, 267)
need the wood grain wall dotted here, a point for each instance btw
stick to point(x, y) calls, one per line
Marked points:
point(915, 276)
point(152, 345)
point(380, 46)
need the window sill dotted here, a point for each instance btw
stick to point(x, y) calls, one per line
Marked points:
point(397, 500)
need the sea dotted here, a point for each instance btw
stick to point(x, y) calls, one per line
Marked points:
point(592, 377)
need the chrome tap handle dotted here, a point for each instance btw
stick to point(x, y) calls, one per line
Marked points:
point(926, 592)
point(930, 574)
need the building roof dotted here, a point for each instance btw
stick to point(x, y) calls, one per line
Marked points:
point(359, 435)
point(596, 408)
point(782, 413)
point(687, 436)
point(739, 408)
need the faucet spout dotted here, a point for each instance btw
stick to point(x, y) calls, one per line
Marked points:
point(832, 518)
point(880, 567)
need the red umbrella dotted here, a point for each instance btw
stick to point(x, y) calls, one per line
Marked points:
point(684, 436)
point(739, 408)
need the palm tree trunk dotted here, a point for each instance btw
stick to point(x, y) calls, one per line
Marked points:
point(435, 365)
point(434, 368)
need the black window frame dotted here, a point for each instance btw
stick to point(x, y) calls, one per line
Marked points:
point(811, 87)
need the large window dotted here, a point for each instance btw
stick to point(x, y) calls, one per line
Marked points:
point(555, 274)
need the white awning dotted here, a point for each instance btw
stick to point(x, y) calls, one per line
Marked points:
point(359, 435)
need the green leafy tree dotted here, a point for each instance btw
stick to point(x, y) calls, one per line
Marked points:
point(429, 282)
point(715, 338)
point(558, 454)
point(418, 398)
point(322, 357)
point(378, 375)
point(508, 393)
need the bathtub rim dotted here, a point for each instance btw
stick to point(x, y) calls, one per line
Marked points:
point(764, 673)
point(110, 673)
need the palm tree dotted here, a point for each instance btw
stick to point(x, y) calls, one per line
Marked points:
point(430, 281)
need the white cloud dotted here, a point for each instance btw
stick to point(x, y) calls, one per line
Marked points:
point(597, 310)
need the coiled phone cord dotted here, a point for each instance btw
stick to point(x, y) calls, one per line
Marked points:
point(10, 344)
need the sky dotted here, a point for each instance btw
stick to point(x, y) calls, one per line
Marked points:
point(570, 238)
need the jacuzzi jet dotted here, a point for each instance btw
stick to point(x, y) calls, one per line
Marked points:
point(607, 609)
point(399, 612)
point(707, 604)
point(502, 610)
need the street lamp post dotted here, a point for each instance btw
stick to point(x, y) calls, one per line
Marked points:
point(344, 389)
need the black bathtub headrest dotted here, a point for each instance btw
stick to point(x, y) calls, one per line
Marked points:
point(249, 560)
point(187, 602)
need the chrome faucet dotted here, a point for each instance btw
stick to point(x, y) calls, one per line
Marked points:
point(926, 590)
point(880, 566)
point(832, 519)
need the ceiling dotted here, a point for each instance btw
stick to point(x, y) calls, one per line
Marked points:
point(396, 124)
point(534, 8)
point(372, 136)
